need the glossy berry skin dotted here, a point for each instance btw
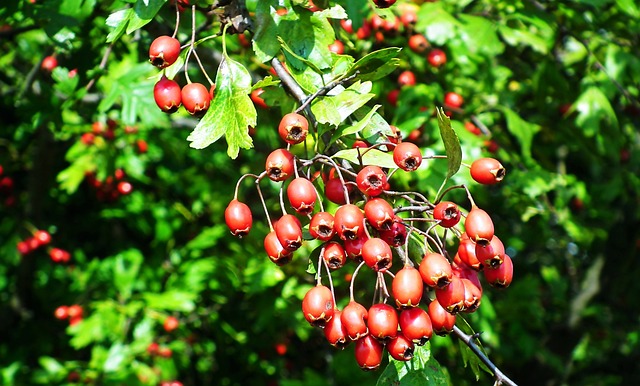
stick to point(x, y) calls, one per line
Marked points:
point(472, 296)
point(49, 63)
point(321, 226)
point(335, 332)
point(406, 78)
point(257, 99)
point(23, 247)
point(368, 352)
point(354, 247)
point(168, 95)
point(415, 325)
point(334, 255)
point(58, 255)
point(334, 190)
point(275, 251)
point(124, 187)
point(400, 348)
point(407, 287)
point(383, 321)
point(407, 156)
point(396, 235)
point(354, 319)
point(302, 195)
point(379, 213)
point(43, 237)
point(442, 321)
point(171, 323)
point(348, 222)
point(61, 313)
point(392, 97)
point(451, 297)
point(164, 51)
point(318, 306)
point(371, 180)
point(75, 311)
point(501, 276)
point(447, 213)
point(293, 128)
point(289, 232)
point(467, 253)
point(435, 270)
point(376, 253)
point(453, 99)
point(337, 47)
point(487, 171)
point(437, 58)
point(195, 98)
point(490, 255)
point(479, 226)
point(279, 165)
point(418, 43)
point(384, 3)
point(238, 217)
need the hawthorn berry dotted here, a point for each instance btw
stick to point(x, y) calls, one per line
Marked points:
point(195, 98)
point(293, 128)
point(289, 232)
point(392, 97)
point(257, 99)
point(435, 270)
point(407, 156)
point(415, 325)
point(371, 180)
point(302, 195)
point(58, 255)
point(348, 222)
point(43, 237)
point(279, 165)
point(337, 47)
point(61, 313)
point(407, 287)
point(167, 94)
point(487, 171)
point(418, 43)
point(238, 217)
point(171, 323)
point(502, 275)
point(376, 253)
point(124, 187)
point(382, 321)
point(490, 255)
point(442, 321)
point(396, 235)
point(321, 226)
point(453, 99)
point(379, 213)
point(400, 348)
point(49, 63)
point(437, 57)
point(479, 226)
point(335, 332)
point(334, 255)
point(472, 296)
point(447, 213)
point(384, 3)
point(164, 51)
point(354, 247)
point(451, 297)
point(334, 190)
point(275, 250)
point(467, 253)
point(354, 319)
point(406, 78)
point(317, 306)
point(368, 352)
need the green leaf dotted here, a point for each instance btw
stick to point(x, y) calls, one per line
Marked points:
point(71, 177)
point(530, 31)
point(359, 126)
point(126, 268)
point(309, 37)
point(231, 111)
point(143, 12)
point(421, 370)
point(451, 143)
point(116, 357)
point(51, 365)
point(629, 7)
point(436, 23)
point(524, 131)
point(208, 237)
point(265, 40)
point(118, 21)
point(377, 64)
point(335, 109)
point(593, 109)
point(371, 157)
point(268, 81)
point(479, 34)
point(172, 300)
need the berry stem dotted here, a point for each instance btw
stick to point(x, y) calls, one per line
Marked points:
point(281, 195)
point(235, 194)
point(319, 270)
point(473, 203)
point(353, 279)
point(326, 266)
point(175, 31)
point(195, 54)
point(264, 204)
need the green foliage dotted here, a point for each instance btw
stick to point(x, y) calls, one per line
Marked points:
point(550, 89)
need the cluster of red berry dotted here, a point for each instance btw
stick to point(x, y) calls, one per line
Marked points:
point(73, 312)
point(39, 239)
point(6, 189)
point(367, 232)
point(112, 187)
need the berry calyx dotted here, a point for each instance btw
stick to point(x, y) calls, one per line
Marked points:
point(321, 226)
point(279, 165)
point(275, 251)
point(407, 156)
point(289, 232)
point(317, 306)
point(348, 222)
point(167, 94)
point(501, 276)
point(451, 297)
point(371, 180)
point(376, 253)
point(238, 217)
point(293, 128)
point(400, 348)
point(302, 195)
point(487, 171)
point(164, 51)
point(435, 270)
point(334, 255)
point(447, 213)
point(195, 98)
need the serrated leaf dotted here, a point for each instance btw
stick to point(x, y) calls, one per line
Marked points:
point(371, 157)
point(309, 38)
point(143, 12)
point(266, 82)
point(358, 127)
point(451, 143)
point(376, 64)
point(71, 177)
point(126, 268)
point(336, 108)
point(335, 12)
point(118, 21)
point(377, 125)
point(231, 111)
point(265, 42)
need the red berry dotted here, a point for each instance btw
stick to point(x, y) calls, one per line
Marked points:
point(383, 321)
point(442, 322)
point(478, 226)
point(371, 180)
point(453, 99)
point(435, 270)
point(318, 306)
point(302, 195)
point(396, 235)
point(473, 129)
point(348, 222)
point(490, 255)
point(447, 213)
point(75, 311)
point(289, 232)
point(293, 128)
point(142, 146)
point(61, 313)
point(275, 251)
point(467, 253)
point(334, 190)
point(238, 217)
point(384, 3)
point(167, 95)
point(58, 255)
point(368, 352)
point(165, 352)
point(354, 319)
point(164, 51)
point(407, 287)
point(406, 78)
point(49, 63)
point(487, 171)
point(418, 43)
point(43, 237)
point(153, 348)
point(400, 348)
point(376, 253)
point(257, 99)
point(354, 247)
point(472, 295)
point(379, 213)
point(279, 165)
point(347, 25)
point(451, 297)
point(33, 243)
point(437, 57)
point(334, 255)
point(195, 98)
point(171, 323)
point(321, 226)
point(407, 156)
point(415, 325)
point(335, 332)
point(502, 275)
point(125, 187)
point(337, 47)
point(392, 97)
